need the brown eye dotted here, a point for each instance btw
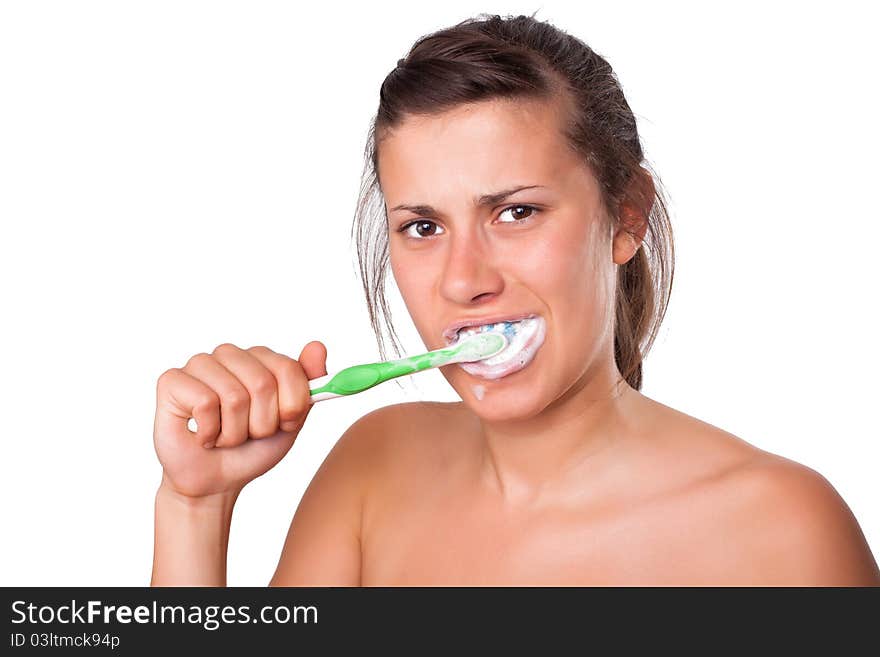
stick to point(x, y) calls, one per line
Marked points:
point(423, 228)
point(520, 213)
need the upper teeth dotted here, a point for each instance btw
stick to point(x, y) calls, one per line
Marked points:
point(482, 328)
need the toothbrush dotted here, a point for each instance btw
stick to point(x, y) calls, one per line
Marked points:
point(358, 378)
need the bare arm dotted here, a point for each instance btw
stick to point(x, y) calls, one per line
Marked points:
point(190, 539)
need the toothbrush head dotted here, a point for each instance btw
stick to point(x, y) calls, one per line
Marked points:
point(480, 346)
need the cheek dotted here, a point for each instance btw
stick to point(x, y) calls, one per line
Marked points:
point(570, 271)
point(413, 280)
point(565, 263)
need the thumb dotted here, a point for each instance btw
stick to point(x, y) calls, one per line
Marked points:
point(313, 359)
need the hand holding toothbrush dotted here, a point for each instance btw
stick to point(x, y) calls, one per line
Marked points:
point(249, 405)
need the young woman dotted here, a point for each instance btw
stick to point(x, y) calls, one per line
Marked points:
point(505, 181)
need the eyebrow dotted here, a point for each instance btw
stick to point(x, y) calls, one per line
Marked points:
point(484, 200)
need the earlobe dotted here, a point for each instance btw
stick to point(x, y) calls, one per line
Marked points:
point(633, 219)
point(626, 241)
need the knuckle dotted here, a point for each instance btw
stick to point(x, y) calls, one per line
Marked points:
point(235, 400)
point(264, 384)
point(295, 409)
point(292, 415)
point(207, 401)
point(166, 376)
point(290, 367)
point(225, 347)
point(196, 359)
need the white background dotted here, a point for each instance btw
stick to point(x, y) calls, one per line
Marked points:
point(174, 175)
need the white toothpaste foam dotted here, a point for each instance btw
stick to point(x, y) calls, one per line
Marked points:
point(528, 338)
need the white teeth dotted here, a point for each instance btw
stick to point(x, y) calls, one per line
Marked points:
point(483, 328)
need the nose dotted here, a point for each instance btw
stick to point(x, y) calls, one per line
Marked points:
point(469, 274)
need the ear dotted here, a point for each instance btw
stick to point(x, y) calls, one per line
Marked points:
point(632, 218)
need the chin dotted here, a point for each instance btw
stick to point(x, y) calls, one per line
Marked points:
point(507, 408)
point(517, 396)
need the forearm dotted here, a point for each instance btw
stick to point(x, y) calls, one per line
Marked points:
point(191, 539)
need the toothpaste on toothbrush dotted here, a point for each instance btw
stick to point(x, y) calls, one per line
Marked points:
point(525, 337)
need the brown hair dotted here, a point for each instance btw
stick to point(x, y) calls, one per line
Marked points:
point(490, 57)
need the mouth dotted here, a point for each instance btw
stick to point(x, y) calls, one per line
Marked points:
point(525, 335)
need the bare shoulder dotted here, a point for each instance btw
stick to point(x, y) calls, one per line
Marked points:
point(403, 436)
point(324, 543)
point(783, 522)
point(399, 441)
point(403, 425)
point(797, 525)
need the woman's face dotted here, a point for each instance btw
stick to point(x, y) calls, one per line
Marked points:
point(459, 256)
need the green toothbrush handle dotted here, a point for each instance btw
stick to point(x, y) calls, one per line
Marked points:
point(358, 378)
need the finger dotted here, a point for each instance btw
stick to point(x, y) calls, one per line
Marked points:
point(260, 384)
point(314, 359)
point(293, 387)
point(234, 398)
point(180, 397)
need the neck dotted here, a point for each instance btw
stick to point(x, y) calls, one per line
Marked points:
point(525, 459)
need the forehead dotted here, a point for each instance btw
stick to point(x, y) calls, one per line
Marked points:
point(488, 144)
